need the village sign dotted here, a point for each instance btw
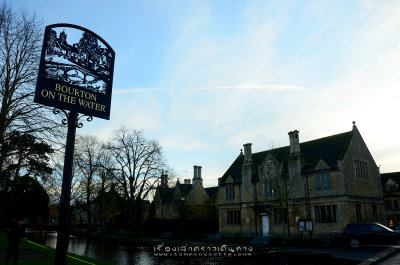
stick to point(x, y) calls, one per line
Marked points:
point(76, 71)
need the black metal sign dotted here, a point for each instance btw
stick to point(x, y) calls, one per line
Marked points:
point(76, 71)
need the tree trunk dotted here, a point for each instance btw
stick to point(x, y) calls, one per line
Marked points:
point(131, 217)
point(89, 211)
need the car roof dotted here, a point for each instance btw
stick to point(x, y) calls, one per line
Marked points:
point(353, 225)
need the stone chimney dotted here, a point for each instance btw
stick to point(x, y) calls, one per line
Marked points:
point(295, 165)
point(247, 198)
point(294, 142)
point(164, 179)
point(247, 153)
point(197, 175)
point(194, 172)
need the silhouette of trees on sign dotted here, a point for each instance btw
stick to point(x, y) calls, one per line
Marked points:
point(85, 64)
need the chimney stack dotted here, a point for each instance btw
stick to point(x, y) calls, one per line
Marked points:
point(194, 172)
point(294, 142)
point(197, 175)
point(164, 179)
point(247, 153)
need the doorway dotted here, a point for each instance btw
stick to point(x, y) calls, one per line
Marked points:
point(265, 225)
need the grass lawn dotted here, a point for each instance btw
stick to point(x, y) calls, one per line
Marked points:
point(49, 253)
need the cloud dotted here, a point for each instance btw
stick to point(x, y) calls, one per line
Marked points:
point(360, 84)
point(281, 67)
point(253, 87)
point(122, 91)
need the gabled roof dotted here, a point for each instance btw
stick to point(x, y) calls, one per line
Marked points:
point(330, 149)
point(107, 196)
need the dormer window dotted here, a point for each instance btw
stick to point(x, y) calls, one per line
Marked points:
point(323, 181)
point(391, 187)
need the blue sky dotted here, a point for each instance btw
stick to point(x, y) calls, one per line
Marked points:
point(205, 77)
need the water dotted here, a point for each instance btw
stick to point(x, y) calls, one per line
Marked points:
point(106, 250)
point(124, 254)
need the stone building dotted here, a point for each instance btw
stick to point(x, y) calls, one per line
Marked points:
point(53, 214)
point(107, 208)
point(391, 197)
point(189, 200)
point(79, 214)
point(319, 185)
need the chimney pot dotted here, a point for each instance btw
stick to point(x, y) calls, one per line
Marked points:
point(247, 153)
point(197, 175)
point(195, 172)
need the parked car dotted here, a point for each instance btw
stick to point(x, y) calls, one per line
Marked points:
point(396, 227)
point(369, 234)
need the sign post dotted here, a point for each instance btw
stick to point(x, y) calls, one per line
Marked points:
point(63, 217)
point(75, 75)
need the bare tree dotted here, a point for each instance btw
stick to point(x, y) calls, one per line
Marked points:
point(137, 166)
point(106, 166)
point(54, 182)
point(281, 188)
point(88, 158)
point(20, 46)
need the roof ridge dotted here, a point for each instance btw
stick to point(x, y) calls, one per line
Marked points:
point(387, 173)
point(287, 146)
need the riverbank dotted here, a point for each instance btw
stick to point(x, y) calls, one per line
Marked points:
point(37, 254)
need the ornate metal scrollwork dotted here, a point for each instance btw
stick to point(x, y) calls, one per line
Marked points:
point(57, 111)
point(80, 124)
point(67, 115)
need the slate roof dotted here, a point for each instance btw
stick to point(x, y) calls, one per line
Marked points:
point(330, 149)
point(212, 192)
point(185, 188)
point(106, 196)
point(166, 194)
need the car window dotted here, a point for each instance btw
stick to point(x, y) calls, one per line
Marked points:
point(364, 228)
point(351, 227)
point(376, 228)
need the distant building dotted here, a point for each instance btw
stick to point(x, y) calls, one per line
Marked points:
point(329, 182)
point(79, 215)
point(107, 208)
point(53, 214)
point(189, 200)
point(391, 197)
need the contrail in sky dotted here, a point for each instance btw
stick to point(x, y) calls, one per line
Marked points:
point(233, 87)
